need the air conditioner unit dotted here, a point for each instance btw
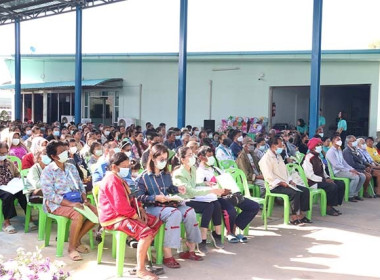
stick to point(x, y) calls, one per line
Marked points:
point(126, 121)
point(67, 119)
point(88, 120)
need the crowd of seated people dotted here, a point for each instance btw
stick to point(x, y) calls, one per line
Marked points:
point(140, 172)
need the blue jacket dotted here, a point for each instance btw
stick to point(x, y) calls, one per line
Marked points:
point(100, 172)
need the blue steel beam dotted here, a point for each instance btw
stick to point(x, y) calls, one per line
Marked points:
point(78, 65)
point(182, 65)
point(315, 67)
point(17, 96)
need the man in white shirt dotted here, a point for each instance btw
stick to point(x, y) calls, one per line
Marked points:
point(275, 173)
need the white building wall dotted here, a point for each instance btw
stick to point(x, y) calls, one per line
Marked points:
point(235, 92)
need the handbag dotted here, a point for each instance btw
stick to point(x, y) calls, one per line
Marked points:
point(172, 203)
point(73, 196)
point(234, 198)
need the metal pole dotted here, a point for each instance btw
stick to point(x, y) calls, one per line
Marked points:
point(78, 65)
point(315, 67)
point(140, 104)
point(181, 114)
point(17, 71)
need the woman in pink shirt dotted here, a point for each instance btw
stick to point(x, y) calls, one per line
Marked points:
point(17, 148)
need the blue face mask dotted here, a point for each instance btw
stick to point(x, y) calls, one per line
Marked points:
point(279, 150)
point(124, 172)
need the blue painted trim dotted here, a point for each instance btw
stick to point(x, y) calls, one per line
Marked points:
point(245, 53)
point(17, 96)
point(78, 65)
point(182, 65)
point(315, 68)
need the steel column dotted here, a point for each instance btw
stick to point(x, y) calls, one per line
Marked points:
point(78, 65)
point(315, 67)
point(182, 65)
point(17, 96)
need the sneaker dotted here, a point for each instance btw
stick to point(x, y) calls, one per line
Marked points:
point(216, 240)
point(202, 247)
point(358, 198)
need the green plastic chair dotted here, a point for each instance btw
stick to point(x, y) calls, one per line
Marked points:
point(16, 160)
point(227, 163)
point(1, 215)
point(241, 181)
point(269, 200)
point(210, 227)
point(119, 240)
point(314, 193)
point(345, 180)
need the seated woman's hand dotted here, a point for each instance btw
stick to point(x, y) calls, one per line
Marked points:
point(77, 205)
point(144, 217)
point(218, 192)
point(210, 184)
point(161, 198)
point(182, 189)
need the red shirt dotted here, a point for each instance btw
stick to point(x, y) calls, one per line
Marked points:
point(27, 161)
point(113, 202)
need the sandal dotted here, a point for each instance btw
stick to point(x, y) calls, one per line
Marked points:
point(190, 256)
point(331, 212)
point(297, 223)
point(242, 238)
point(146, 275)
point(75, 256)
point(9, 229)
point(171, 263)
point(306, 221)
point(336, 210)
point(83, 249)
point(232, 238)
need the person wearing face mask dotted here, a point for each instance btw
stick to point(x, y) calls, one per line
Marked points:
point(352, 157)
point(204, 200)
point(369, 162)
point(302, 146)
point(152, 138)
point(17, 148)
point(96, 151)
point(215, 139)
point(154, 185)
point(8, 171)
point(248, 163)
point(59, 179)
point(275, 173)
point(342, 127)
point(195, 131)
point(207, 172)
point(342, 169)
point(126, 147)
point(32, 189)
point(315, 173)
point(223, 151)
point(55, 135)
point(120, 211)
point(106, 131)
point(28, 133)
point(237, 138)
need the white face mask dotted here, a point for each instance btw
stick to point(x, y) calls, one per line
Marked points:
point(321, 134)
point(73, 150)
point(197, 132)
point(318, 149)
point(240, 139)
point(98, 153)
point(2, 158)
point(354, 144)
point(117, 150)
point(339, 143)
point(192, 161)
point(63, 157)
point(28, 132)
point(262, 148)
point(364, 146)
point(45, 159)
point(161, 164)
point(210, 161)
point(124, 172)
point(128, 154)
point(56, 133)
point(135, 174)
point(106, 133)
point(178, 137)
point(15, 142)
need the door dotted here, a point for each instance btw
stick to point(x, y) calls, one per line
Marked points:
point(101, 110)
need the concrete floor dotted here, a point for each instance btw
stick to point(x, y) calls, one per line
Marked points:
point(344, 247)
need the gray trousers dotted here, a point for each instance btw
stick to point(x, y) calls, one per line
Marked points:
point(356, 181)
point(172, 217)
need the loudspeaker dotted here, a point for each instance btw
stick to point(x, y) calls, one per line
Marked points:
point(209, 125)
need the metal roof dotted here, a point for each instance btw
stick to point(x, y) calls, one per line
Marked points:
point(67, 84)
point(23, 10)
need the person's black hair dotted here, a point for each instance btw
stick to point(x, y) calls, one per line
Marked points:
point(343, 115)
point(170, 133)
point(233, 134)
point(370, 138)
point(189, 127)
point(274, 140)
point(134, 165)
point(162, 124)
point(4, 145)
point(52, 146)
point(227, 142)
point(72, 140)
point(302, 122)
point(335, 136)
point(202, 151)
point(118, 158)
point(151, 135)
point(259, 140)
point(94, 145)
point(317, 136)
point(324, 138)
